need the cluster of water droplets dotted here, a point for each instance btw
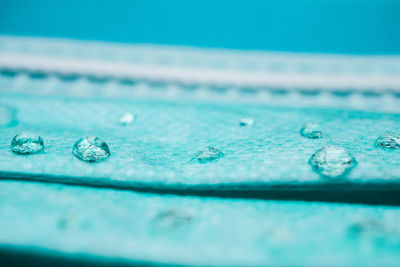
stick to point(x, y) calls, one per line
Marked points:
point(329, 161)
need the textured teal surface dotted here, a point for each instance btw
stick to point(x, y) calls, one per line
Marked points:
point(175, 118)
point(158, 146)
point(79, 221)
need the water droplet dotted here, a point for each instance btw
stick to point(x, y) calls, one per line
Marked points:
point(91, 149)
point(246, 122)
point(355, 230)
point(370, 227)
point(7, 115)
point(172, 219)
point(332, 161)
point(208, 154)
point(389, 140)
point(126, 119)
point(27, 143)
point(311, 130)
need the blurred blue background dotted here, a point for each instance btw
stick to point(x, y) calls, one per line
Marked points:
point(333, 26)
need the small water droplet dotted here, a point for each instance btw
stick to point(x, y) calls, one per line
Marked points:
point(126, 119)
point(172, 219)
point(355, 230)
point(7, 115)
point(67, 220)
point(27, 143)
point(389, 140)
point(311, 130)
point(91, 149)
point(246, 122)
point(332, 161)
point(208, 154)
point(372, 227)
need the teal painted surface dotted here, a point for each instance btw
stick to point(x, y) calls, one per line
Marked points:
point(85, 222)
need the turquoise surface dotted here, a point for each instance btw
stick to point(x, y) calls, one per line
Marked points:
point(330, 26)
point(155, 152)
point(78, 222)
point(151, 202)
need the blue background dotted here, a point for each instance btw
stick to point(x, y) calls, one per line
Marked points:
point(336, 26)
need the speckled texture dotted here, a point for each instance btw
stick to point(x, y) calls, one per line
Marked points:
point(196, 231)
point(158, 146)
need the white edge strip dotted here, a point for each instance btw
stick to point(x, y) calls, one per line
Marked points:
point(201, 76)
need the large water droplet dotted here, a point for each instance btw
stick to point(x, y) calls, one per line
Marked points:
point(7, 115)
point(246, 122)
point(27, 143)
point(208, 154)
point(332, 161)
point(91, 149)
point(311, 130)
point(126, 119)
point(389, 140)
